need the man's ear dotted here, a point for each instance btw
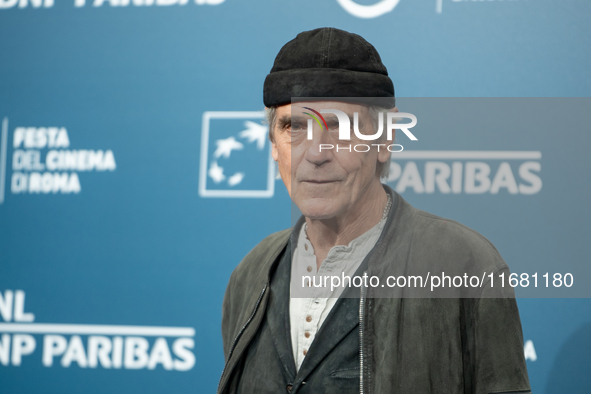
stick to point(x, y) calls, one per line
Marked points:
point(274, 153)
point(384, 155)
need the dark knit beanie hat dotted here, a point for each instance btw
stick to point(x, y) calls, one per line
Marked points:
point(327, 62)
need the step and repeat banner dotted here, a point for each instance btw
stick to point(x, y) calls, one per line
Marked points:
point(135, 172)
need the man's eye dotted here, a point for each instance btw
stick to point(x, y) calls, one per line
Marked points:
point(333, 126)
point(295, 127)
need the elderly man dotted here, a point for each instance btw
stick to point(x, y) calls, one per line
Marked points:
point(282, 334)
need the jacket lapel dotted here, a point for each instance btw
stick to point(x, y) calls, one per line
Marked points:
point(250, 309)
point(278, 314)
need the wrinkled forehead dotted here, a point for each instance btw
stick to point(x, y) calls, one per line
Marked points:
point(304, 107)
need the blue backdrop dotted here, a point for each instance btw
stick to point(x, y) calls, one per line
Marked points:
point(119, 232)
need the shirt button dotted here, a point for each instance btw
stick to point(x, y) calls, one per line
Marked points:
point(307, 334)
point(308, 318)
point(309, 269)
point(305, 352)
point(306, 246)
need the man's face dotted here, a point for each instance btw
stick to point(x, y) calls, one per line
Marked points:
point(324, 183)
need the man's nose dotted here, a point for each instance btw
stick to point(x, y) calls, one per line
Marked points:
point(320, 147)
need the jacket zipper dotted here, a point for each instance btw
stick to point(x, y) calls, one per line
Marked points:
point(361, 320)
point(240, 333)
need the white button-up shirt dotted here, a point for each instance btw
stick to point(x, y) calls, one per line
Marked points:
point(308, 314)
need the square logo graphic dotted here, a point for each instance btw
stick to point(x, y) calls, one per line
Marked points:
point(236, 157)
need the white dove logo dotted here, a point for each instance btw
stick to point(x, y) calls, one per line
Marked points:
point(368, 11)
point(254, 132)
point(233, 162)
point(216, 172)
point(226, 146)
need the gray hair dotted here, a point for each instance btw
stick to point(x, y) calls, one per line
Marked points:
point(374, 112)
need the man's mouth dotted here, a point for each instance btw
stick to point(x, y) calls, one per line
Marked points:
point(319, 181)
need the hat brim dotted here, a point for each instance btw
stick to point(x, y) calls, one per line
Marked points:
point(281, 86)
